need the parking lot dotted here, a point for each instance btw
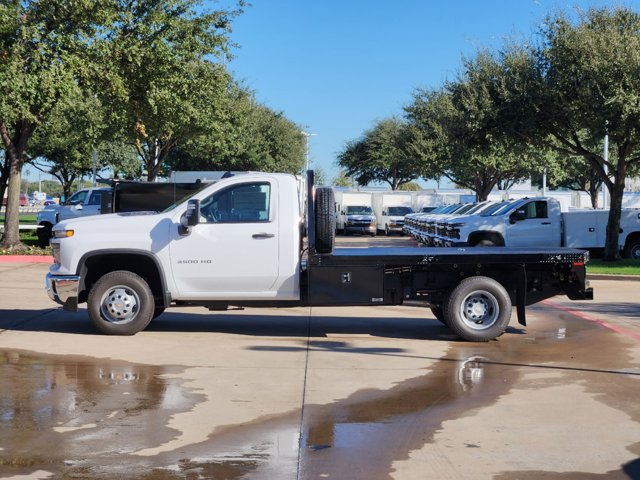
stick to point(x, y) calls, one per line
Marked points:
point(306, 393)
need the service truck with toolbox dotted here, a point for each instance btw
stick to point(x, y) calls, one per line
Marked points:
point(238, 242)
point(539, 222)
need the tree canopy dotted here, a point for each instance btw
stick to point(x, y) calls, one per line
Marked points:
point(383, 154)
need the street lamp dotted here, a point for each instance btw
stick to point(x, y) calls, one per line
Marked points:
point(307, 135)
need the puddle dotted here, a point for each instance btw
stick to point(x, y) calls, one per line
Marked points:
point(363, 436)
point(82, 417)
point(86, 418)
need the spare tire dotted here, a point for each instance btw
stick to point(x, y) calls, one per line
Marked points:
point(325, 220)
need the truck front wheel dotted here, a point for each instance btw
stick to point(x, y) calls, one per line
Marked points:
point(121, 303)
point(478, 309)
point(44, 234)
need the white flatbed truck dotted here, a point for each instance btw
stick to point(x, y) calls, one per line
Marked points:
point(238, 242)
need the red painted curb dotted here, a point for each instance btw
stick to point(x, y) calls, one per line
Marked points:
point(610, 326)
point(26, 259)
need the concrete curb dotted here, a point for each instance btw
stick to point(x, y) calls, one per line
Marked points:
point(26, 259)
point(601, 276)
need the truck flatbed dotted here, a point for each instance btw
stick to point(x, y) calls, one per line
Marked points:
point(435, 255)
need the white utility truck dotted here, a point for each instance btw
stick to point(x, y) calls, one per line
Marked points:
point(539, 222)
point(390, 209)
point(354, 213)
point(238, 242)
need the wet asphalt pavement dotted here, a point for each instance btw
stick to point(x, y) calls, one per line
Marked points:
point(357, 393)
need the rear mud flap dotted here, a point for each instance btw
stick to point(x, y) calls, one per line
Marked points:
point(521, 296)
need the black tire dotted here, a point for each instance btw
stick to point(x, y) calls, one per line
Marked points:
point(485, 243)
point(632, 249)
point(121, 303)
point(386, 230)
point(325, 220)
point(44, 234)
point(478, 309)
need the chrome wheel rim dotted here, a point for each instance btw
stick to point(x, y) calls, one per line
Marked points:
point(480, 310)
point(119, 305)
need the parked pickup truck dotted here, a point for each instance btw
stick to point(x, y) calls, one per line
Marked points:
point(120, 196)
point(538, 222)
point(238, 242)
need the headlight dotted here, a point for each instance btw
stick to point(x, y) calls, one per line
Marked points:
point(63, 233)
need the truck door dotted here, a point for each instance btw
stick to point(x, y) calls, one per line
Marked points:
point(235, 246)
point(530, 226)
point(81, 206)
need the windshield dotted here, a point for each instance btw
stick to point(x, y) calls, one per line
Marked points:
point(503, 208)
point(361, 210)
point(493, 208)
point(400, 211)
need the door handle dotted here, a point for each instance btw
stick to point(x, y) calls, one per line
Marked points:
point(546, 223)
point(262, 235)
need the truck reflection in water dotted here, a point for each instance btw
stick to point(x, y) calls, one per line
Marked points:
point(471, 372)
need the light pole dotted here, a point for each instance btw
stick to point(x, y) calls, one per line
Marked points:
point(307, 135)
point(605, 156)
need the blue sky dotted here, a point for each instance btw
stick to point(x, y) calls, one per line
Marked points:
point(335, 67)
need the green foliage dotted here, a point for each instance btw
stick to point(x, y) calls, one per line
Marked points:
point(252, 137)
point(410, 187)
point(461, 134)
point(620, 267)
point(342, 179)
point(157, 78)
point(383, 154)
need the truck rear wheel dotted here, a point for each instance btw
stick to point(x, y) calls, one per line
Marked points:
point(632, 248)
point(439, 314)
point(478, 309)
point(325, 220)
point(121, 303)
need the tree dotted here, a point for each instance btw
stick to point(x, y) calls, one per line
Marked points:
point(342, 179)
point(382, 154)
point(459, 133)
point(158, 79)
point(43, 52)
point(581, 83)
point(65, 144)
point(250, 137)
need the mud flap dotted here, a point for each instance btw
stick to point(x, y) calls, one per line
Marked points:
point(521, 296)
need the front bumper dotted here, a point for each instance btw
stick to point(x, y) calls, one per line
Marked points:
point(360, 228)
point(63, 289)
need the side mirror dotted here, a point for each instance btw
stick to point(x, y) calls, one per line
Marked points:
point(190, 218)
point(78, 207)
point(385, 213)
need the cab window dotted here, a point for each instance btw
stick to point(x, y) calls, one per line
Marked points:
point(77, 198)
point(95, 197)
point(533, 210)
point(244, 203)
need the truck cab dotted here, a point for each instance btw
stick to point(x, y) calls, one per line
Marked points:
point(520, 223)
